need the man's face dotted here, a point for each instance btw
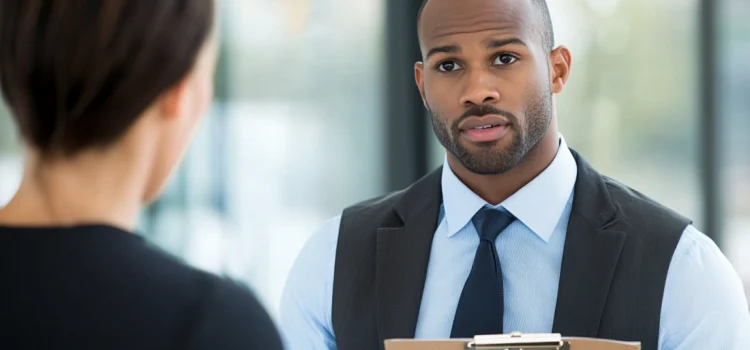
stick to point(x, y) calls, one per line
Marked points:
point(485, 79)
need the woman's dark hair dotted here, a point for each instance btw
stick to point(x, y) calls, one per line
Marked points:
point(78, 73)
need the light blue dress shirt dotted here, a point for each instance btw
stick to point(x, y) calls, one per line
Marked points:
point(703, 307)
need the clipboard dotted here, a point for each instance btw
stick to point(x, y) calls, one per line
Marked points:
point(513, 341)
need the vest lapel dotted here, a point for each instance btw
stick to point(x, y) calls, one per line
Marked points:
point(403, 254)
point(589, 258)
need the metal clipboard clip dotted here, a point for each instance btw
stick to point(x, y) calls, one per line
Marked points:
point(518, 341)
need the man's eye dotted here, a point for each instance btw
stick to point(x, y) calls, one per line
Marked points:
point(503, 60)
point(448, 66)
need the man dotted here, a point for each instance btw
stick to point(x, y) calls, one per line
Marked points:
point(515, 232)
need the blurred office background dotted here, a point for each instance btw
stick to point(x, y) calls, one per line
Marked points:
point(316, 109)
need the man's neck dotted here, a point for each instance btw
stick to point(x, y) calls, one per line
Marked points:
point(497, 188)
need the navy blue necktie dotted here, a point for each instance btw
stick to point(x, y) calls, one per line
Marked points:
point(480, 309)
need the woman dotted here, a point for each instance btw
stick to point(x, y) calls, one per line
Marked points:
point(105, 95)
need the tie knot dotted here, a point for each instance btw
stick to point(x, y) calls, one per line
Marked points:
point(489, 222)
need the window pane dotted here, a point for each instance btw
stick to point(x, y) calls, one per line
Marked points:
point(631, 104)
point(734, 92)
point(10, 156)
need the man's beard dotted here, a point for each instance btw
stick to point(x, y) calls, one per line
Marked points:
point(489, 159)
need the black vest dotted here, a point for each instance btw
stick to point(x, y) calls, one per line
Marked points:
point(618, 248)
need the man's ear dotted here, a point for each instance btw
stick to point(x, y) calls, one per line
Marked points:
point(560, 63)
point(419, 77)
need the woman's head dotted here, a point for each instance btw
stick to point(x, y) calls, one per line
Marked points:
point(88, 75)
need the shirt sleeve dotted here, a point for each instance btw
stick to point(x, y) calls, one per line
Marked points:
point(307, 299)
point(704, 305)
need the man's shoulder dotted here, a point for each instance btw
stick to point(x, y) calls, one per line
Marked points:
point(636, 210)
point(372, 212)
point(375, 204)
point(704, 303)
point(641, 211)
point(392, 209)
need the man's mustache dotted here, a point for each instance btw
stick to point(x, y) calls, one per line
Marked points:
point(482, 110)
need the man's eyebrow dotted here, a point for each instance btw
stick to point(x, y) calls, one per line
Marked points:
point(443, 49)
point(494, 44)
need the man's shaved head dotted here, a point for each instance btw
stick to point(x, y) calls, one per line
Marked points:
point(545, 21)
point(488, 72)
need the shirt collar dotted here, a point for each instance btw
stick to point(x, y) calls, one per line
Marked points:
point(538, 205)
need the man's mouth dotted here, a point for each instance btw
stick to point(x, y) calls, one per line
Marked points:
point(483, 127)
point(486, 133)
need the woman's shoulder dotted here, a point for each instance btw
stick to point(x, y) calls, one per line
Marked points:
point(226, 314)
point(125, 274)
point(230, 316)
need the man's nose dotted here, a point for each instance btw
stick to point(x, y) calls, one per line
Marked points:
point(479, 90)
